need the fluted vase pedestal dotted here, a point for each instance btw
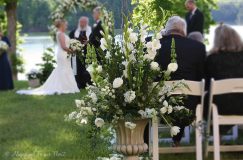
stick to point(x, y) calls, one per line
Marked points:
point(130, 143)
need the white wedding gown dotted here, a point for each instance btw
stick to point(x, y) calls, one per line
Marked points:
point(61, 80)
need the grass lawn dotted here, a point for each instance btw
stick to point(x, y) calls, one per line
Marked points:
point(33, 128)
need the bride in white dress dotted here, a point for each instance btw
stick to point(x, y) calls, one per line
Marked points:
point(61, 80)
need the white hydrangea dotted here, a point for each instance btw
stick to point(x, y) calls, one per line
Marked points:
point(79, 103)
point(174, 131)
point(142, 113)
point(99, 122)
point(129, 96)
point(172, 67)
point(130, 125)
point(103, 44)
point(117, 83)
point(93, 97)
point(150, 112)
point(154, 66)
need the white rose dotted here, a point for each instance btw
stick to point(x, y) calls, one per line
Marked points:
point(130, 125)
point(149, 45)
point(99, 69)
point(174, 131)
point(156, 44)
point(103, 44)
point(163, 110)
point(154, 66)
point(165, 104)
point(99, 122)
point(117, 83)
point(129, 96)
point(84, 121)
point(149, 56)
point(172, 67)
point(170, 109)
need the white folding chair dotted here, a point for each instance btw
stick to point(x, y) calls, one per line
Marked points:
point(196, 89)
point(221, 87)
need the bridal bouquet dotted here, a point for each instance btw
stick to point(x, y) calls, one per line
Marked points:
point(124, 87)
point(3, 47)
point(76, 47)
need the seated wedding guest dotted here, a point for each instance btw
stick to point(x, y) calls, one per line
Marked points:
point(96, 36)
point(81, 33)
point(197, 36)
point(190, 58)
point(226, 61)
point(6, 80)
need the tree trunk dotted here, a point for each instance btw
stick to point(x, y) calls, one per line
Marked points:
point(11, 11)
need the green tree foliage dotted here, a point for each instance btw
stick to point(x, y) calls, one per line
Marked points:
point(34, 14)
point(157, 10)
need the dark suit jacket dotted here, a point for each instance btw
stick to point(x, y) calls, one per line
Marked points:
point(195, 22)
point(191, 57)
point(95, 36)
point(225, 65)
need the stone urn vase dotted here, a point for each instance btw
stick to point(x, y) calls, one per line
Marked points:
point(130, 143)
point(33, 83)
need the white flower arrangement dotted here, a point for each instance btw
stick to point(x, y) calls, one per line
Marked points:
point(33, 74)
point(124, 89)
point(3, 46)
point(76, 47)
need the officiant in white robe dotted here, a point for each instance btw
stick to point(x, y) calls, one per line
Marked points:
point(81, 33)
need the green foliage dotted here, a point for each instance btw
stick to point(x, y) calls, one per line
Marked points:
point(153, 12)
point(17, 63)
point(48, 65)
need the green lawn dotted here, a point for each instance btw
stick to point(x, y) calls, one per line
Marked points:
point(33, 128)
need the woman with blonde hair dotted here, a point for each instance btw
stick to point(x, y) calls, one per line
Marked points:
point(226, 61)
point(61, 80)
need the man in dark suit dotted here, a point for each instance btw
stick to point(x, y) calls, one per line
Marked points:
point(194, 17)
point(81, 33)
point(95, 36)
point(191, 57)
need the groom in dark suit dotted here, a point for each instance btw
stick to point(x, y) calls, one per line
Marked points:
point(194, 17)
point(81, 33)
point(95, 36)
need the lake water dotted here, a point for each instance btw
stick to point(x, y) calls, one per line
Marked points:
point(34, 46)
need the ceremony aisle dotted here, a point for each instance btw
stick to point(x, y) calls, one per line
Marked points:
point(33, 128)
